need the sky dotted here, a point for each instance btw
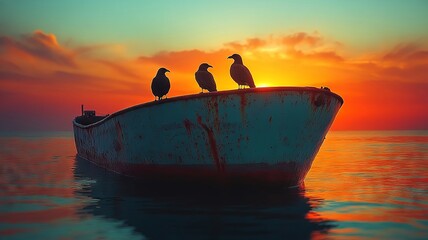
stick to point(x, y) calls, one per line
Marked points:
point(57, 55)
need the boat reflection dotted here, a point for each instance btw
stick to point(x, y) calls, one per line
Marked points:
point(177, 212)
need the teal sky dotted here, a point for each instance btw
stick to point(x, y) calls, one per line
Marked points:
point(151, 26)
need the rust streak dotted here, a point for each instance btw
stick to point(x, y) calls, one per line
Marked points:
point(188, 125)
point(213, 145)
point(118, 143)
point(213, 109)
point(316, 100)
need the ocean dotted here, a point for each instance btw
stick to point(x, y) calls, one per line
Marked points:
point(362, 185)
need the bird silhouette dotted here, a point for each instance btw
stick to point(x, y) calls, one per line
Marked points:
point(240, 73)
point(205, 79)
point(160, 84)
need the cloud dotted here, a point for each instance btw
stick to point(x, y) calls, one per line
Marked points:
point(404, 62)
point(40, 61)
point(404, 53)
point(41, 46)
point(249, 44)
point(6, 65)
point(38, 68)
point(298, 46)
point(322, 56)
point(300, 38)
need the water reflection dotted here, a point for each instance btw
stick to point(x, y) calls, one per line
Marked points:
point(181, 212)
point(361, 185)
point(37, 193)
point(375, 184)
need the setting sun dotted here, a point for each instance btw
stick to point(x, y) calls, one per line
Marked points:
point(264, 85)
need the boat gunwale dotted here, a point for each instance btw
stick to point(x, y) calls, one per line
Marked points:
point(209, 94)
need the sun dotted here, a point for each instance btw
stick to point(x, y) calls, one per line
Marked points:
point(262, 85)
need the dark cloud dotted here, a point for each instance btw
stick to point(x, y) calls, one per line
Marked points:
point(14, 76)
point(41, 46)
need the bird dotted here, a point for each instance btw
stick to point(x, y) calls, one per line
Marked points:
point(205, 79)
point(160, 84)
point(240, 73)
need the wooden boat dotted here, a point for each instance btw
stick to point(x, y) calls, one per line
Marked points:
point(252, 136)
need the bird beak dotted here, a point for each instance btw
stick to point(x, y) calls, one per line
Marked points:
point(167, 70)
point(210, 66)
point(230, 57)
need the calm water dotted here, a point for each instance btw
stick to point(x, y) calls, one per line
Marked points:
point(371, 185)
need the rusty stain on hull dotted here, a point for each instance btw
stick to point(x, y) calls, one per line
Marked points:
point(261, 135)
point(213, 145)
point(188, 125)
point(118, 144)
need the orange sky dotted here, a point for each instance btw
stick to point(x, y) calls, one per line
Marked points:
point(44, 81)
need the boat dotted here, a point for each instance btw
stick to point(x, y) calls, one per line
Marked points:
point(268, 136)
